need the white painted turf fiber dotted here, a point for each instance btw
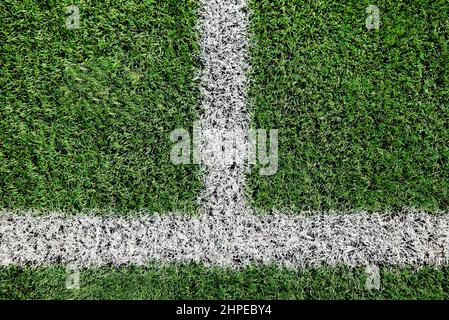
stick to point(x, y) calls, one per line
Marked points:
point(406, 238)
point(227, 232)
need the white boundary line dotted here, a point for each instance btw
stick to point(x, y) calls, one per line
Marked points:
point(227, 233)
point(223, 27)
point(408, 238)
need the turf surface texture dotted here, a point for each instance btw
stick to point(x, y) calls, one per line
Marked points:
point(87, 113)
point(363, 115)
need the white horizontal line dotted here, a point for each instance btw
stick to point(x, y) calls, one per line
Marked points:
point(406, 238)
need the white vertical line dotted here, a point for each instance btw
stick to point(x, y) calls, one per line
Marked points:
point(223, 26)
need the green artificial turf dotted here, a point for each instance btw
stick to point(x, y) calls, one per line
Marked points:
point(199, 282)
point(85, 114)
point(363, 115)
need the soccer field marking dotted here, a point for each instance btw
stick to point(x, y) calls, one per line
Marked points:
point(407, 238)
point(223, 28)
point(227, 233)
